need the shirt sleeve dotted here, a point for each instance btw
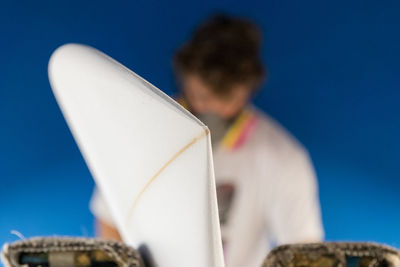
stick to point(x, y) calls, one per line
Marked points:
point(99, 208)
point(295, 214)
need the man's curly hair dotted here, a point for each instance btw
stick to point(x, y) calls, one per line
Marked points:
point(223, 52)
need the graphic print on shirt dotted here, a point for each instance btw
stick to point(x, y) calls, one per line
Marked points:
point(225, 196)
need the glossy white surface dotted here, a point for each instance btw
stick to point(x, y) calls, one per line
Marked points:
point(150, 157)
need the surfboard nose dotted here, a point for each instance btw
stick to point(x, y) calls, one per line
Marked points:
point(150, 158)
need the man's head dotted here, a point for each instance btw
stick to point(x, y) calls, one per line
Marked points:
point(220, 67)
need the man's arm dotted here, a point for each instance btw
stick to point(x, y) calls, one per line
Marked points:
point(103, 220)
point(296, 215)
point(107, 231)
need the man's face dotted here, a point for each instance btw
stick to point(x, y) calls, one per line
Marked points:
point(204, 101)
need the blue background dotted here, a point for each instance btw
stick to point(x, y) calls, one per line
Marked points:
point(334, 79)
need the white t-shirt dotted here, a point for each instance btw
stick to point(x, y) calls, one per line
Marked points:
point(266, 187)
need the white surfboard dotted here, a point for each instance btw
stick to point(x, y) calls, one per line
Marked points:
point(150, 158)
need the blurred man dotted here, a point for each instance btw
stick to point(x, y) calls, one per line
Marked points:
point(266, 186)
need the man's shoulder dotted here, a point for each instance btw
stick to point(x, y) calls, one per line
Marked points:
point(269, 132)
point(286, 154)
